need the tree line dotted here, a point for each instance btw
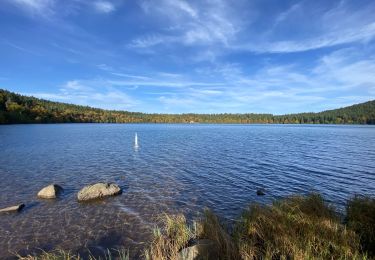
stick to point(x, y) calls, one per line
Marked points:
point(15, 108)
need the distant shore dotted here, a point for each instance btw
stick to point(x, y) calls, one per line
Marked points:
point(15, 108)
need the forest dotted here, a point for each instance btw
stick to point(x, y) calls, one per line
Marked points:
point(16, 108)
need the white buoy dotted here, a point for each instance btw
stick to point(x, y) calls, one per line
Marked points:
point(136, 141)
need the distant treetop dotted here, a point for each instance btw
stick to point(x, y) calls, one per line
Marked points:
point(15, 108)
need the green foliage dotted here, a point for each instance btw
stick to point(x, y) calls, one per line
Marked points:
point(15, 108)
point(360, 217)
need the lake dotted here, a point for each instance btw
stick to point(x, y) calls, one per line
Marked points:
point(177, 168)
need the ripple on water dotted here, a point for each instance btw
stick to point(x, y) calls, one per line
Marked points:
point(178, 168)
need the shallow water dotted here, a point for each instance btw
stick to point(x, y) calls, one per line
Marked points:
point(177, 168)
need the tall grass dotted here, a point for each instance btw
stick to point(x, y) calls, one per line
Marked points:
point(294, 228)
point(212, 229)
point(360, 217)
point(121, 254)
point(177, 234)
point(299, 227)
point(167, 241)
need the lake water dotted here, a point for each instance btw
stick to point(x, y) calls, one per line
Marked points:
point(177, 168)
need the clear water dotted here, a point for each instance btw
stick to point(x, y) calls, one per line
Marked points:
point(177, 168)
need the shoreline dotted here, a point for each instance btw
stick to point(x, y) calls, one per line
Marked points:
point(310, 224)
point(16, 108)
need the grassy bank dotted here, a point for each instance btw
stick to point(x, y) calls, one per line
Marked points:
point(298, 227)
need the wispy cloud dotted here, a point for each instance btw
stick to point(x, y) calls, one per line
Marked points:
point(95, 93)
point(151, 40)
point(104, 6)
point(317, 28)
point(137, 77)
point(205, 23)
point(192, 56)
point(222, 25)
point(54, 8)
point(340, 78)
point(361, 34)
point(36, 7)
point(21, 48)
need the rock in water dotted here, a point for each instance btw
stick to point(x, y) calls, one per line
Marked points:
point(50, 192)
point(202, 249)
point(261, 192)
point(98, 191)
point(13, 208)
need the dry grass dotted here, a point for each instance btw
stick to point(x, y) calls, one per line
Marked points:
point(176, 235)
point(212, 229)
point(360, 217)
point(121, 254)
point(55, 255)
point(295, 228)
point(167, 241)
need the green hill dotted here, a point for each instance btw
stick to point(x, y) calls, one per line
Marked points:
point(15, 108)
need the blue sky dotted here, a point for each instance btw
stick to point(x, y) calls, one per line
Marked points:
point(179, 56)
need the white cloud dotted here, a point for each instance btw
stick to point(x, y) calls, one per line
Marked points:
point(35, 7)
point(104, 67)
point(341, 78)
point(338, 79)
point(138, 77)
point(151, 40)
point(104, 6)
point(162, 83)
point(206, 23)
point(21, 48)
point(75, 85)
point(95, 93)
point(184, 6)
point(362, 34)
point(304, 27)
point(347, 67)
point(227, 27)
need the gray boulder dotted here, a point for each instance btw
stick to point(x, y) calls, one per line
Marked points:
point(50, 192)
point(201, 249)
point(98, 191)
point(12, 208)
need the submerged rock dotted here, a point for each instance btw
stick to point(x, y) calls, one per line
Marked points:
point(261, 192)
point(50, 192)
point(98, 191)
point(201, 249)
point(13, 208)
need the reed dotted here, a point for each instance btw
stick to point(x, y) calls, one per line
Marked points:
point(120, 254)
point(168, 240)
point(360, 217)
point(295, 228)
